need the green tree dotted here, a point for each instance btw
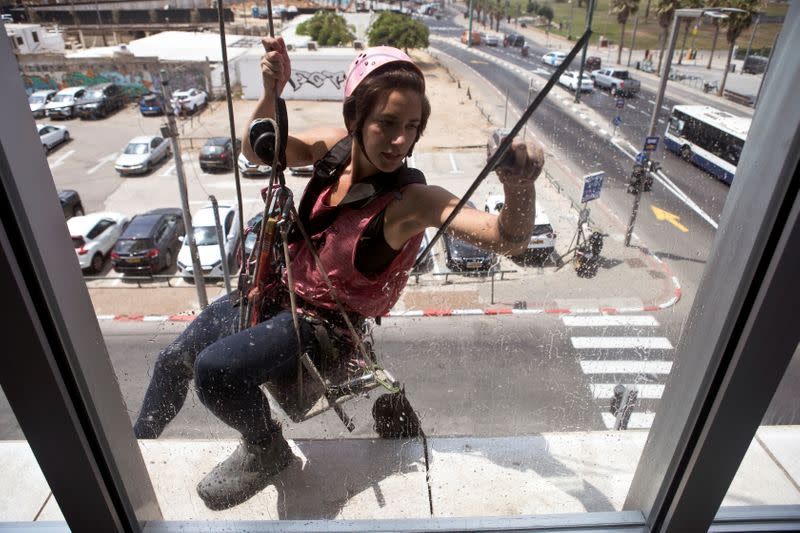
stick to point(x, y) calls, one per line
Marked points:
point(734, 25)
point(547, 12)
point(623, 9)
point(400, 31)
point(666, 12)
point(532, 7)
point(327, 28)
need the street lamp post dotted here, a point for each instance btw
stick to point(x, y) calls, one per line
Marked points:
point(589, 14)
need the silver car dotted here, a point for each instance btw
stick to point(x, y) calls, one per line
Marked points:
point(38, 100)
point(52, 135)
point(63, 104)
point(142, 154)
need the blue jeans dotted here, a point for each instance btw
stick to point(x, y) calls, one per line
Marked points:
point(228, 369)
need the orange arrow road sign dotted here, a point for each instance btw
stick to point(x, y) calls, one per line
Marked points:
point(669, 217)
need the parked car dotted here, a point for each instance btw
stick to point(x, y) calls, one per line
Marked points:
point(7, 18)
point(70, 203)
point(497, 137)
point(570, 80)
point(205, 236)
point(617, 81)
point(514, 39)
point(554, 59)
point(755, 64)
point(592, 63)
point(93, 236)
point(63, 103)
point(461, 256)
point(218, 152)
point(100, 100)
point(489, 39)
point(150, 243)
point(152, 103)
point(142, 154)
point(246, 168)
point(52, 135)
point(188, 101)
point(426, 265)
point(39, 100)
point(305, 171)
point(476, 37)
point(252, 236)
point(543, 239)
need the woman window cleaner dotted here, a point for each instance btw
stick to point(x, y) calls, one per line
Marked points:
point(366, 246)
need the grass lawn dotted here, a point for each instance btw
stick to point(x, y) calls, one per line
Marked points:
point(647, 35)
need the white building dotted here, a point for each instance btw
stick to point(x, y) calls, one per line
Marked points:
point(34, 39)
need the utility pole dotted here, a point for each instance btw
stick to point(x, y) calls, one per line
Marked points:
point(633, 38)
point(589, 14)
point(170, 131)
point(469, 30)
point(750, 43)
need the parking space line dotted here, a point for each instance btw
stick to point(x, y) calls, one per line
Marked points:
point(102, 161)
point(168, 171)
point(61, 159)
point(454, 166)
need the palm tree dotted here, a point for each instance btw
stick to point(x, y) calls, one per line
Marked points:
point(666, 11)
point(623, 9)
point(735, 24)
point(713, 3)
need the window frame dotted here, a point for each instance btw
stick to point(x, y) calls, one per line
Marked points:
point(703, 431)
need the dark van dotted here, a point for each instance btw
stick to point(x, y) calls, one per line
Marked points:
point(150, 243)
point(755, 65)
point(101, 100)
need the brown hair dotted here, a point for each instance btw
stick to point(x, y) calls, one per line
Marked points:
point(370, 92)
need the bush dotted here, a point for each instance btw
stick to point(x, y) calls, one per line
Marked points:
point(400, 31)
point(327, 28)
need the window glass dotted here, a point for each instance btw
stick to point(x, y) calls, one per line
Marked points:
point(541, 370)
point(770, 471)
point(31, 499)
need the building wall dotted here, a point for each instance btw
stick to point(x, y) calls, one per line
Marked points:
point(316, 76)
point(135, 75)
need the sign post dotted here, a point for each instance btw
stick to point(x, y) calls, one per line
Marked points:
point(592, 187)
point(650, 146)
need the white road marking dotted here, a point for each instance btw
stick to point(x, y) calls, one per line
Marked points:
point(636, 421)
point(645, 113)
point(626, 367)
point(453, 165)
point(609, 320)
point(674, 189)
point(621, 343)
point(102, 161)
point(61, 159)
point(647, 391)
point(168, 171)
point(602, 132)
point(632, 107)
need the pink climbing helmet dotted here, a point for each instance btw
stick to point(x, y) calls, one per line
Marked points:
point(366, 62)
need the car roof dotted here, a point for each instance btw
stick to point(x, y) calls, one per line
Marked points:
point(174, 211)
point(141, 226)
point(43, 92)
point(71, 90)
point(205, 216)
point(81, 225)
point(142, 139)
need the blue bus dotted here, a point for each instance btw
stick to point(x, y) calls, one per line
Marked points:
point(707, 137)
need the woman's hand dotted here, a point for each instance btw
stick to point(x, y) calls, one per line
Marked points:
point(276, 68)
point(528, 164)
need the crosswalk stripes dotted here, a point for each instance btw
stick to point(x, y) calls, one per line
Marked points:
point(621, 349)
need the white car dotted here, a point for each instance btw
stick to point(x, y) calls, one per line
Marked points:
point(38, 100)
point(205, 236)
point(63, 103)
point(93, 237)
point(142, 154)
point(489, 39)
point(554, 58)
point(570, 80)
point(189, 100)
point(52, 135)
point(252, 169)
point(543, 239)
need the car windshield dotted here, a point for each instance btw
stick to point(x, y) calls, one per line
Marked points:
point(205, 235)
point(150, 97)
point(132, 246)
point(63, 98)
point(137, 148)
point(213, 149)
point(541, 229)
point(36, 99)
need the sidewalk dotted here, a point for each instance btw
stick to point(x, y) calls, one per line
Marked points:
point(381, 479)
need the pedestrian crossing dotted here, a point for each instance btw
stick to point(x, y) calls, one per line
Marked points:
point(627, 350)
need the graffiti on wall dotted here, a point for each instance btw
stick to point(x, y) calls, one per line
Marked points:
point(317, 79)
point(135, 80)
